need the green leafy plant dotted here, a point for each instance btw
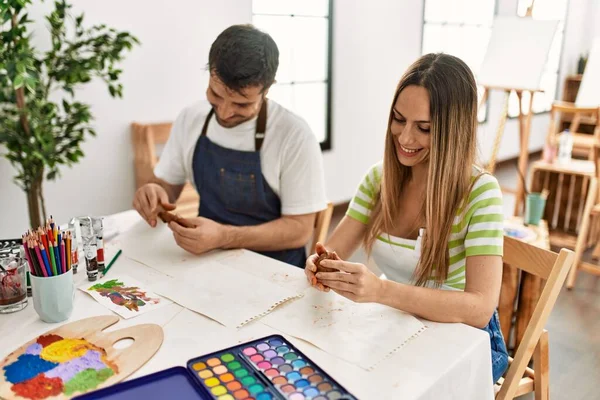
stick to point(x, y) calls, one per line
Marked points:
point(42, 125)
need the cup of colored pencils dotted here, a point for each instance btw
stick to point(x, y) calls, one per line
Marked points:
point(48, 250)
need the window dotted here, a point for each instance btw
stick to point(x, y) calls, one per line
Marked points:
point(302, 31)
point(461, 28)
point(542, 101)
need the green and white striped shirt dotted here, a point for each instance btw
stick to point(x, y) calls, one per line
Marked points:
point(477, 230)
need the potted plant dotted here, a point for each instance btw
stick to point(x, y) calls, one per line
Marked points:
point(42, 125)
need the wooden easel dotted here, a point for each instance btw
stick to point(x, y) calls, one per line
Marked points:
point(524, 129)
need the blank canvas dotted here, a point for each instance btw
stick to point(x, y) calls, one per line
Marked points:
point(589, 91)
point(517, 52)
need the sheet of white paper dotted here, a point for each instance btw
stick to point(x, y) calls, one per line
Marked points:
point(124, 295)
point(268, 269)
point(336, 325)
point(229, 296)
point(156, 248)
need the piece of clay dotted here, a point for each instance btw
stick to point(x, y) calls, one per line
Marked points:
point(167, 217)
point(326, 255)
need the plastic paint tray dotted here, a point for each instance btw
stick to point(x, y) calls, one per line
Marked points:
point(172, 383)
point(270, 368)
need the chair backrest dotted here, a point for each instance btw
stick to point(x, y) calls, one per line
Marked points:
point(569, 188)
point(551, 267)
point(562, 108)
point(596, 157)
point(322, 222)
point(144, 138)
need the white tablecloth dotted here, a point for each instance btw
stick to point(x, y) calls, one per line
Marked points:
point(447, 361)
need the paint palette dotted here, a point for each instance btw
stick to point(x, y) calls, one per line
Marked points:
point(75, 358)
point(264, 369)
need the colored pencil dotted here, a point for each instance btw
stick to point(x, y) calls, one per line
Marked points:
point(27, 256)
point(70, 255)
point(59, 249)
point(30, 257)
point(68, 251)
point(43, 237)
point(56, 258)
point(36, 267)
point(41, 260)
point(112, 261)
point(63, 258)
point(52, 260)
point(38, 261)
point(45, 256)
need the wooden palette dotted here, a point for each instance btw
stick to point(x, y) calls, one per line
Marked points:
point(147, 340)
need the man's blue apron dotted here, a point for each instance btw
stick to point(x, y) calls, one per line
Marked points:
point(232, 188)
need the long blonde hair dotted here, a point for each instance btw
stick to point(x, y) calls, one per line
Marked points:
point(453, 115)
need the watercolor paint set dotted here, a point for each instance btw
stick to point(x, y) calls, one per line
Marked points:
point(270, 368)
point(264, 369)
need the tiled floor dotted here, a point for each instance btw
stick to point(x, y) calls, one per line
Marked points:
point(574, 324)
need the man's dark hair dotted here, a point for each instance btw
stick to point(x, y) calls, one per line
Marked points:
point(243, 56)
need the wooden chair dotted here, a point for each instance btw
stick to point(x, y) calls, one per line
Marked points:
point(596, 211)
point(595, 216)
point(322, 222)
point(553, 268)
point(145, 139)
point(582, 142)
point(586, 107)
point(573, 192)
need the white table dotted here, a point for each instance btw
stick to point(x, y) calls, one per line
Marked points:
point(449, 361)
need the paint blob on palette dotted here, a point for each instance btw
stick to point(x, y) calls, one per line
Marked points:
point(265, 369)
point(54, 365)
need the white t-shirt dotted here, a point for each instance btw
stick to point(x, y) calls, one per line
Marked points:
point(290, 156)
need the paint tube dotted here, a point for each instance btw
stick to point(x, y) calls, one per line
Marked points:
point(74, 244)
point(99, 232)
point(89, 248)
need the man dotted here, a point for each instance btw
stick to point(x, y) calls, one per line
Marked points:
point(256, 165)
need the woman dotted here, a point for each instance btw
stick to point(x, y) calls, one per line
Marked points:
point(429, 218)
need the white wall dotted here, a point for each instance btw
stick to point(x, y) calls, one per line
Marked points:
point(374, 42)
point(161, 77)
